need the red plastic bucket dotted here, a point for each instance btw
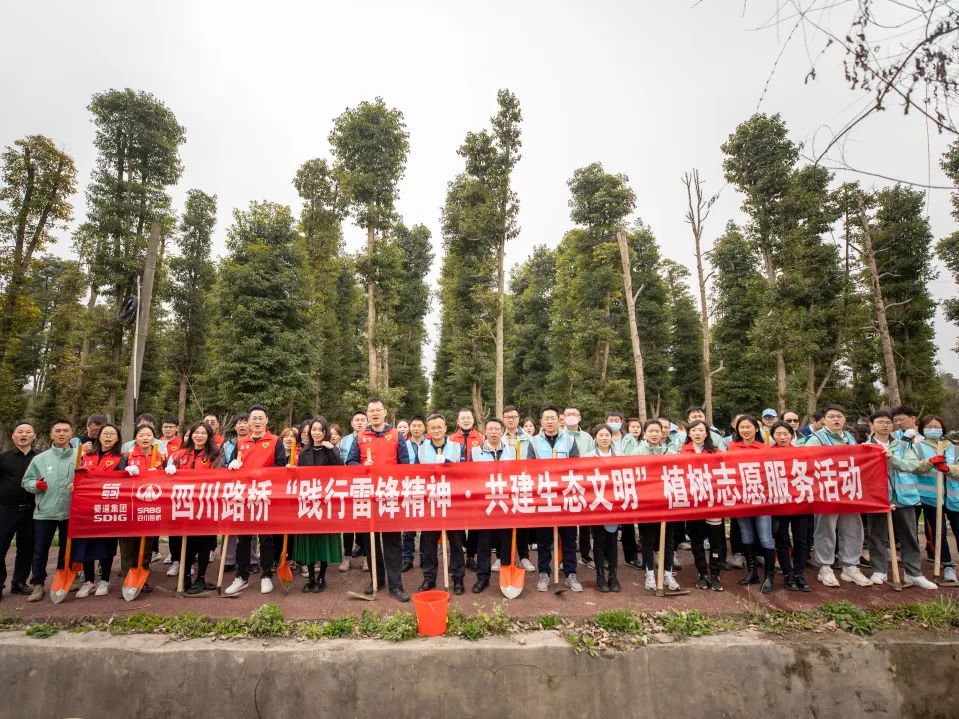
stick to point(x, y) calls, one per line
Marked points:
point(431, 608)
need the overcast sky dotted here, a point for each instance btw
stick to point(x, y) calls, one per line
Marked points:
point(650, 89)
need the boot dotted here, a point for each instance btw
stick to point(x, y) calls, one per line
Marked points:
point(601, 584)
point(752, 576)
point(769, 570)
point(613, 583)
point(791, 583)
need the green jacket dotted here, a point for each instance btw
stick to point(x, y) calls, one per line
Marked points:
point(57, 467)
point(583, 441)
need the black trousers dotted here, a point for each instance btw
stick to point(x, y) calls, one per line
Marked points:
point(585, 543)
point(486, 541)
point(522, 542)
point(605, 551)
point(198, 550)
point(389, 557)
point(429, 545)
point(267, 554)
point(43, 531)
point(716, 534)
point(650, 535)
point(628, 534)
point(799, 523)
point(472, 542)
point(16, 523)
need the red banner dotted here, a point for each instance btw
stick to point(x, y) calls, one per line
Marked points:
point(538, 493)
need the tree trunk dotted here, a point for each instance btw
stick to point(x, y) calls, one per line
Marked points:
point(633, 329)
point(696, 217)
point(889, 359)
point(780, 355)
point(500, 312)
point(143, 325)
point(371, 321)
point(811, 395)
point(82, 364)
point(385, 367)
point(181, 402)
point(477, 396)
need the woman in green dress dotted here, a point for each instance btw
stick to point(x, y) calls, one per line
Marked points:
point(308, 549)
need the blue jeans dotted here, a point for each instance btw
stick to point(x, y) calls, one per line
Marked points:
point(750, 527)
point(409, 547)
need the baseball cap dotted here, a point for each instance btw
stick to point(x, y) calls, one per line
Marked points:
point(770, 412)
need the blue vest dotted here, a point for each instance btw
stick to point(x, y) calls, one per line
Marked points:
point(563, 446)
point(346, 444)
point(827, 439)
point(482, 454)
point(428, 454)
point(413, 449)
point(903, 491)
point(926, 481)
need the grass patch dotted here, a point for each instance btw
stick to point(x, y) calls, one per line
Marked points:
point(583, 644)
point(684, 625)
point(621, 621)
point(779, 621)
point(851, 618)
point(400, 627)
point(188, 626)
point(137, 623)
point(339, 628)
point(497, 622)
point(230, 628)
point(267, 621)
point(41, 630)
point(940, 614)
point(548, 621)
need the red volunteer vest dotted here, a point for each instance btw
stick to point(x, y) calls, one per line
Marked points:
point(153, 459)
point(259, 453)
point(100, 463)
point(381, 449)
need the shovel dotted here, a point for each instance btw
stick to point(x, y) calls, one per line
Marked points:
point(136, 577)
point(446, 560)
point(360, 595)
point(557, 550)
point(512, 577)
point(63, 578)
point(219, 574)
point(181, 576)
point(896, 582)
point(283, 572)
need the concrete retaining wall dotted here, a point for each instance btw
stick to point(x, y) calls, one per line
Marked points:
point(96, 675)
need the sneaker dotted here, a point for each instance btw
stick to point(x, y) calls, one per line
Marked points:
point(920, 582)
point(541, 586)
point(37, 594)
point(636, 564)
point(236, 587)
point(671, 583)
point(155, 557)
point(878, 578)
point(266, 585)
point(533, 546)
point(103, 588)
point(573, 583)
point(738, 561)
point(84, 590)
point(495, 566)
point(588, 563)
point(650, 579)
point(715, 584)
point(345, 565)
point(168, 559)
point(949, 574)
point(853, 574)
point(527, 565)
point(173, 570)
point(828, 577)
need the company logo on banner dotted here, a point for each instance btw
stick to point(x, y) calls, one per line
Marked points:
point(798, 480)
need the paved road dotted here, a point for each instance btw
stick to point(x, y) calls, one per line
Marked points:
point(335, 602)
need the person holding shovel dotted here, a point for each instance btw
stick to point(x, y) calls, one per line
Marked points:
point(50, 477)
point(938, 452)
point(380, 444)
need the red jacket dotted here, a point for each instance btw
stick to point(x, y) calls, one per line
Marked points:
point(259, 453)
point(106, 462)
point(173, 445)
point(738, 445)
point(384, 447)
point(472, 440)
point(690, 448)
point(154, 459)
point(191, 459)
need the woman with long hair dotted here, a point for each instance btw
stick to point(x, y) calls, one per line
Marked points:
point(604, 535)
point(793, 565)
point(105, 457)
point(699, 441)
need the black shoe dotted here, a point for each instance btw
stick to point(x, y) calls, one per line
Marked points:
point(791, 584)
point(20, 589)
point(427, 585)
point(769, 570)
point(601, 583)
point(407, 566)
point(752, 576)
point(229, 567)
point(458, 587)
point(636, 564)
point(208, 586)
point(146, 589)
point(471, 563)
point(614, 584)
point(715, 584)
point(255, 569)
point(398, 594)
point(308, 587)
point(369, 590)
point(702, 582)
point(319, 586)
point(801, 583)
point(196, 588)
point(480, 585)
point(767, 587)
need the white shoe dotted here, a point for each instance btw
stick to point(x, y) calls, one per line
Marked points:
point(853, 574)
point(103, 588)
point(236, 587)
point(543, 584)
point(949, 574)
point(84, 590)
point(527, 565)
point(650, 579)
point(919, 581)
point(828, 577)
point(266, 585)
point(168, 559)
point(573, 583)
point(739, 562)
point(495, 566)
point(878, 578)
point(173, 570)
point(155, 557)
point(344, 565)
point(671, 583)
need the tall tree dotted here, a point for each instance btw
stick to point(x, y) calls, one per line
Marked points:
point(259, 307)
point(947, 249)
point(192, 274)
point(685, 348)
point(138, 141)
point(370, 144)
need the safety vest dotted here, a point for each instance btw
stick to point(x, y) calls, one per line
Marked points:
point(926, 481)
point(520, 444)
point(380, 447)
point(188, 458)
point(153, 459)
point(258, 453)
point(487, 454)
point(903, 489)
point(429, 453)
point(562, 447)
point(101, 462)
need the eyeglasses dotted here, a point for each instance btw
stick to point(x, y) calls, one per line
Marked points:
point(792, 420)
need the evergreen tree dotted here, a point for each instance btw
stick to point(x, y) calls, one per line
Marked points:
point(684, 350)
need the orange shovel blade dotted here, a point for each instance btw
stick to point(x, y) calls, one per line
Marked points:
point(62, 581)
point(284, 574)
point(133, 584)
point(511, 580)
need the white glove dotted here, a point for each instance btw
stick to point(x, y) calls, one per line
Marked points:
point(133, 470)
point(170, 469)
point(910, 434)
point(235, 464)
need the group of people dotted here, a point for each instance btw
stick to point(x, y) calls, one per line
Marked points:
point(36, 487)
